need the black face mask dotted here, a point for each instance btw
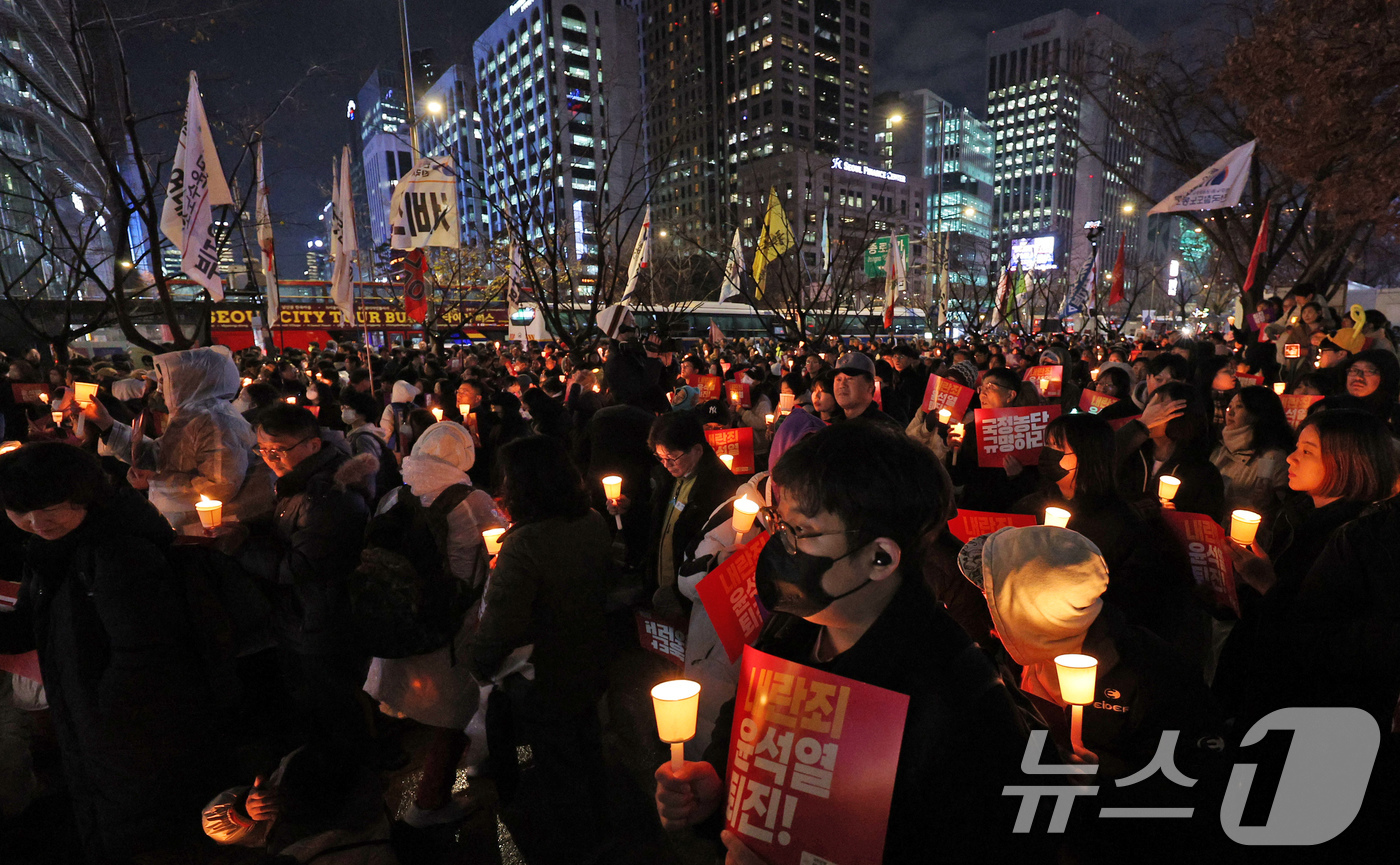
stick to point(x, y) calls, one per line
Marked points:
point(793, 583)
point(1050, 468)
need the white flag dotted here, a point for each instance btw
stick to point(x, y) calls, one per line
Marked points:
point(826, 245)
point(1218, 186)
point(515, 282)
point(895, 277)
point(269, 260)
point(345, 246)
point(423, 208)
point(943, 291)
point(196, 184)
point(641, 259)
point(733, 270)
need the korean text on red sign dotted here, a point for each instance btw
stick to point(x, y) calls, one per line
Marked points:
point(738, 443)
point(1012, 432)
point(1296, 405)
point(661, 636)
point(810, 750)
point(1093, 403)
point(970, 524)
point(1049, 380)
point(730, 596)
point(1211, 566)
point(944, 393)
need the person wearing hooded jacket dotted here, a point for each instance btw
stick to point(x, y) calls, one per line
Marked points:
point(206, 449)
point(1043, 587)
point(437, 689)
point(133, 707)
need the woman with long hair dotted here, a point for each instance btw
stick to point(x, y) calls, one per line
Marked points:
point(1253, 450)
point(1344, 460)
point(1179, 447)
point(544, 603)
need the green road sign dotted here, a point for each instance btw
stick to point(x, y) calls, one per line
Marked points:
point(879, 251)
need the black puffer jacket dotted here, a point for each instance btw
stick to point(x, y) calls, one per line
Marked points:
point(312, 541)
point(132, 709)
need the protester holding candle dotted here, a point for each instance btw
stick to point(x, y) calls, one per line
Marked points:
point(990, 489)
point(547, 591)
point(1253, 452)
point(1178, 444)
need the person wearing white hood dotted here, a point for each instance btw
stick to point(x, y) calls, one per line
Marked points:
point(1043, 586)
point(206, 449)
point(395, 415)
point(437, 689)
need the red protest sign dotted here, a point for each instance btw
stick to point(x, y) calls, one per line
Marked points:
point(1247, 380)
point(9, 594)
point(970, 524)
point(738, 393)
point(28, 391)
point(1211, 566)
point(738, 443)
point(1012, 432)
point(944, 393)
point(1049, 380)
point(661, 636)
point(711, 387)
point(1093, 403)
point(26, 664)
point(1296, 405)
point(730, 597)
point(810, 750)
point(693, 381)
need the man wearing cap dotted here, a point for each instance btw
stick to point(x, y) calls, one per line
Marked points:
point(855, 391)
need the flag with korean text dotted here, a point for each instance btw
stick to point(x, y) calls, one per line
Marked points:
point(1012, 432)
point(1212, 569)
point(729, 594)
point(941, 393)
point(810, 750)
point(738, 443)
point(196, 185)
point(423, 207)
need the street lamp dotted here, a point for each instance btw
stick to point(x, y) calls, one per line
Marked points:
point(896, 118)
point(434, 107)
point(1128, 207)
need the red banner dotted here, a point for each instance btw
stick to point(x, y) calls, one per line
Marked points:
point(1296, 405)
point(730, 597)
point(692, 381)
point(944, 393)
point(738, 443)
point(29, 391)
point(1049, 380)
point(1012, 432)
point(26, 664)
point(737, 393)
point(711, 387)
point(1093, 403)
point(661, 636)
point(1211, 566)
point(809, 751)
point(970, 524)
point(1247, 380)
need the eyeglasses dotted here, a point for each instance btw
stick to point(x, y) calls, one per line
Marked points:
point(670, 461)
point(1363, 372)
point(788, 535)
point(275, 453)
point(988, 387)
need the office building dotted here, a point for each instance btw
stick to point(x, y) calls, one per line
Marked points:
point(559, 102)
point(1065, 121)
point(385, 150)
point(449, 125)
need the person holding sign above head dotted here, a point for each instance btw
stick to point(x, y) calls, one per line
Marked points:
point(990, 489)
point(855, 505)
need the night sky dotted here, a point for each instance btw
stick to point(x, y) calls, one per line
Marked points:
point(248, 53)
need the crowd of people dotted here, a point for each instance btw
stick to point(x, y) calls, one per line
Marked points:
point(234, 681)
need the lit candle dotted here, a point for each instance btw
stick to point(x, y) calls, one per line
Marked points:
point(768, 419)
point(1094, 374)
point(437, 413)
point(291, 400)
point(1243, 526)
point(677, 704)
point(492, 539)
point(1280, 387)
point(596, 389)
point(612, 488)
point(211, 512)
point(57, 418)
point(247, 381)
point(1167, 487)
point(728, 460)
point(464, 408)
point(744, 512)
point(785, 403)
point(944, 416)
point(1077, 674)
point(9, 446)
point(1056, 517)
point(43, 398)
point(84, 392)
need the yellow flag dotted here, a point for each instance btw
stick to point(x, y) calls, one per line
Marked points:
point(775, 239)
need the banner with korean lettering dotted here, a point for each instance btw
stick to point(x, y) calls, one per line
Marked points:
point(738, 394)
point(738, 443)
point(730, 597)
point(661, 636)
point(809, 751)
point(1012, 432)
point(29, 391)
point(970, 524)
point(1093, 403)
point(1248, 380)
point(1049, 380)
point(711, 387)
point(1296, 405)
point(941, 393)
point(1211, 565)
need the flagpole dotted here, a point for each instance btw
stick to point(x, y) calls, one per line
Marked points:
point(409, 94)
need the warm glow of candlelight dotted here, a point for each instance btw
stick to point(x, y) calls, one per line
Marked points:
point(1078, 675)
point(728, 460)
point(492, 539)
point(1167, 487)
point(211, 512)
point(1057, 517)
point(1243, 526)
point(744, 512)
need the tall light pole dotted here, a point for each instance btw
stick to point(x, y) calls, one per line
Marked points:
point(409, 95)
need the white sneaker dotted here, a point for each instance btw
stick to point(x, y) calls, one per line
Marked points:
point(455, 811)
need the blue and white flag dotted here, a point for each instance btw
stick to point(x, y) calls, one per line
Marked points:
point(1078, 298)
